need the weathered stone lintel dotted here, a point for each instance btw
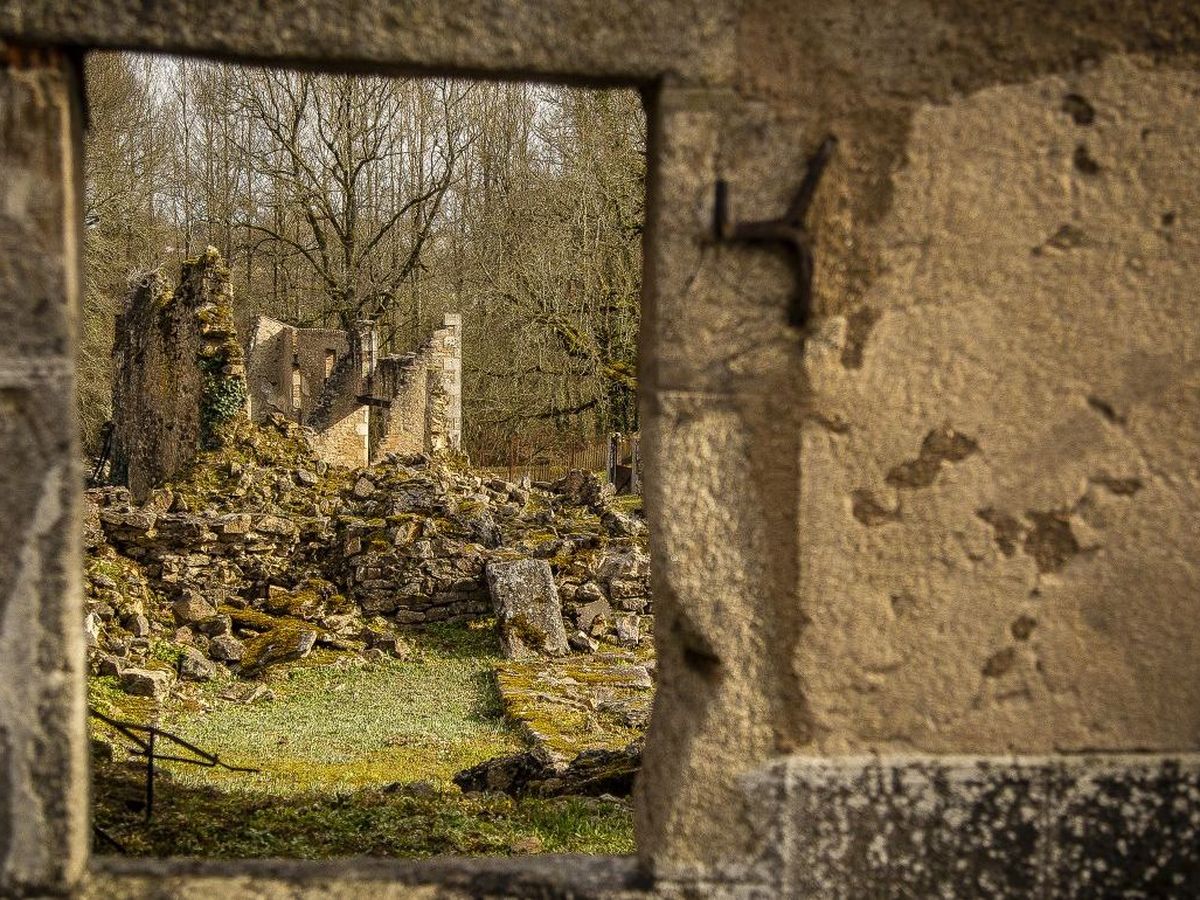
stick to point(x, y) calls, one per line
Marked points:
point(1050, 826)
point(630, 42)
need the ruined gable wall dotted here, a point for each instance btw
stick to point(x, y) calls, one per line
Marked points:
point(156, 387)
point(311, 347)
point(425, 388)
point(273, 351)
point(401, 428)
point(177, 373)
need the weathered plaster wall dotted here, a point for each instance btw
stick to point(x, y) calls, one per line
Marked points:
point(985, 262)
point(273, 352)
point(1032, 582)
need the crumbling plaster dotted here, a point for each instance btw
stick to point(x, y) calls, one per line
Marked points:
point(1046, 311)
point(943, 392)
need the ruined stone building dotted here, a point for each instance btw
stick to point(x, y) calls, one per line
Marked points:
point(180, 374)
point(359, 404)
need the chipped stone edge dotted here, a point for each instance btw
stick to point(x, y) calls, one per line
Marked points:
point(940, 815)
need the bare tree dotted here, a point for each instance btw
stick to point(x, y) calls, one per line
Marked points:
point(366, 191)
point(335, 198)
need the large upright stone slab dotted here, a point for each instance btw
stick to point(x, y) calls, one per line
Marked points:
point(527, 608)
point(43, 769)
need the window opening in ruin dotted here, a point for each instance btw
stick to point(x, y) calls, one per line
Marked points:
point(368, 529)
point(296, 383)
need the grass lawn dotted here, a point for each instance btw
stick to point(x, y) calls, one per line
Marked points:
point(354, 759)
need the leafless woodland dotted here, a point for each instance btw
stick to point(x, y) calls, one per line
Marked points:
point(338, 197)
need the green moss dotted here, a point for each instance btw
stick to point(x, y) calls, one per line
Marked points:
point(104, 694)
point(302, 603)
point(471, 508)
point(165, 653)
point(275, 645)
point(250, 618)
point(627, 503)
point(554, 701)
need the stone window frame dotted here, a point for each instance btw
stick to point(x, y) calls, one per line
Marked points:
point(727, 804)
point(672, 55)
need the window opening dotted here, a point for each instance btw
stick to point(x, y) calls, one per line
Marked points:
point(360, 552)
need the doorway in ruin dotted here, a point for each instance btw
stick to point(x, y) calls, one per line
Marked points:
point(354, 351)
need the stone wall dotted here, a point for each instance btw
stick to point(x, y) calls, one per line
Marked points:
point(345, 440)
point(280, 355)
point(177, 373)
point(425, 413)
point(420, 393)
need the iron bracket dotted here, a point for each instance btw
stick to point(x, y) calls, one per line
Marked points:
point(788, 231)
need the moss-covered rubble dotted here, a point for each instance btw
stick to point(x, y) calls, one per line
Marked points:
point(208, 603)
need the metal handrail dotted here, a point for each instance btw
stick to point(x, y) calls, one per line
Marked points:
point(145, 747)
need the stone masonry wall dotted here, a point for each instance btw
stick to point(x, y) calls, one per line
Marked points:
point(425, 415)
point(177, 373)
point(276, 354)
point(422, 389)
point(401, 427)
point(345, 441)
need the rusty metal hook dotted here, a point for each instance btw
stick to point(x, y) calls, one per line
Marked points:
point(788, 231)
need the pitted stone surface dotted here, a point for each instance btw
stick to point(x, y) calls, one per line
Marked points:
point(42, 764)
point(994, 827)
point(977, 420)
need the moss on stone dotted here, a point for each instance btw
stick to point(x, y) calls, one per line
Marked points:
point(554, 701)
point(275, 645)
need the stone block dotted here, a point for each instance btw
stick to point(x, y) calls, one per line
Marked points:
point(155, 683)
point(194, 666)
point(527, 608)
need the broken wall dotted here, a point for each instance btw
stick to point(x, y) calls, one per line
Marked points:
point(425, 387)
point(287, 367)
point(178, 373)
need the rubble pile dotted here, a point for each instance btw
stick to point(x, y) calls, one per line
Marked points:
point(263, 553)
